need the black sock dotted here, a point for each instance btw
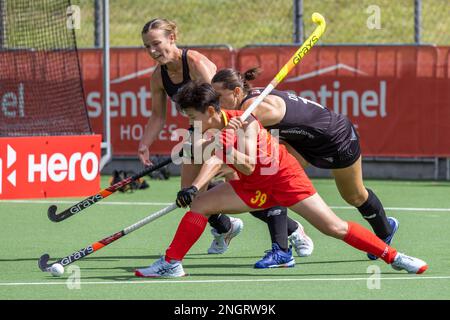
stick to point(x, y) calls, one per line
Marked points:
point(291, 225)
point(372, 210)
point(220, 222)
point(276, 219)
point(262, 215)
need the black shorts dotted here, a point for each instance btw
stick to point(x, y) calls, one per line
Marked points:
point(337, 148)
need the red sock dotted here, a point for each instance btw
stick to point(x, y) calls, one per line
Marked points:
point(363, 239)
point(189, 230)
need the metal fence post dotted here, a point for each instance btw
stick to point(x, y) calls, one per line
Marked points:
point(417, 20)
point(98, 26)
point(2, 23)
point(298, 21)
point(447, 176)
point(106, 88)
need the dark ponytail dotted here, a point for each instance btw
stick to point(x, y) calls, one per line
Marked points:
point(249, 75)
point(232, 78)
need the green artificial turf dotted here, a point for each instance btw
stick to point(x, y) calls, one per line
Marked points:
point(334, 271)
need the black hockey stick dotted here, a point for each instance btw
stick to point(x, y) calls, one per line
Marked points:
point(44, 265)
point(57, 217)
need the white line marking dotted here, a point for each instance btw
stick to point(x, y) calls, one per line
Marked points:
point(218, 281)
point(130, 203)
point(133, 75)
point(324, 70)
point(110, 203)
point(401, 209)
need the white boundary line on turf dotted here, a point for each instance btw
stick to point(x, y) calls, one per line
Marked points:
point(401, 209)
point(123, 203)
point(218, 281)
point(110, 203)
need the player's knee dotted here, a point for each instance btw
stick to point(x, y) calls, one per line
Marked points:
point(355, 199)
point(336, 230)
point(201, 206)
point(197, 205)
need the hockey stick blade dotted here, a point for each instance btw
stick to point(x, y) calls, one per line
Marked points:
point(80, 254)
point(78, 207)
point(51, 213)
point(43, 262)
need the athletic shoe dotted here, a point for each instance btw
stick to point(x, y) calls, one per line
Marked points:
point(161, 269)
point(410, 264)
point(394, 225)
point(222, 240)
point(276, 258)
point(302, 244)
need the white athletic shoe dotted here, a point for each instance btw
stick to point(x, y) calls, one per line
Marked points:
point(161, 269)
point(410, 264)
point(221, 241)
point(299, 240)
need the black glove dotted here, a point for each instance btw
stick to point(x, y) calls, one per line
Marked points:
point(185, 196)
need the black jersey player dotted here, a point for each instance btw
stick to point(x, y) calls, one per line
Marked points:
point(175, 68)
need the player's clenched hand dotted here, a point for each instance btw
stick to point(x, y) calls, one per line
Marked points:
point(144, 155)
point(185, 196)
point(235, 123)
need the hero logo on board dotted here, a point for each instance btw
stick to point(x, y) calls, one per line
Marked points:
point(11, 158)
point(55, 167)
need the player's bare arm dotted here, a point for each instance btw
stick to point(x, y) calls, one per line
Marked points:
point(156, 121)
point(200, 67)
point(269, 112)
point(208, 171)
point(244, 159)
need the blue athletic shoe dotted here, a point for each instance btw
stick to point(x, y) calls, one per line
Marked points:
point(276, 258)
point(394, 225)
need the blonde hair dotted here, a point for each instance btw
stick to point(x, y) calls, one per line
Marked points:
point(170, 27)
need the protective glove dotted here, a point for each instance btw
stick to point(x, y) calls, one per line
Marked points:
point(185, 196)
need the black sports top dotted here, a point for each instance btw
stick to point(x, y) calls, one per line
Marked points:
point(170, 87)
point(304, 120)
point(324, 138)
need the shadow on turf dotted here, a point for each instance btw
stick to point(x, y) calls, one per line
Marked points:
point(254, 274)
point(110, 258)
point(152, 258)
point(262, 273)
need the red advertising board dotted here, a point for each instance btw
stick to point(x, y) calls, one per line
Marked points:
point(50, 166)
point(397, 96)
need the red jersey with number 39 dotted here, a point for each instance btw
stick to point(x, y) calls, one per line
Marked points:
point(272, 159)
